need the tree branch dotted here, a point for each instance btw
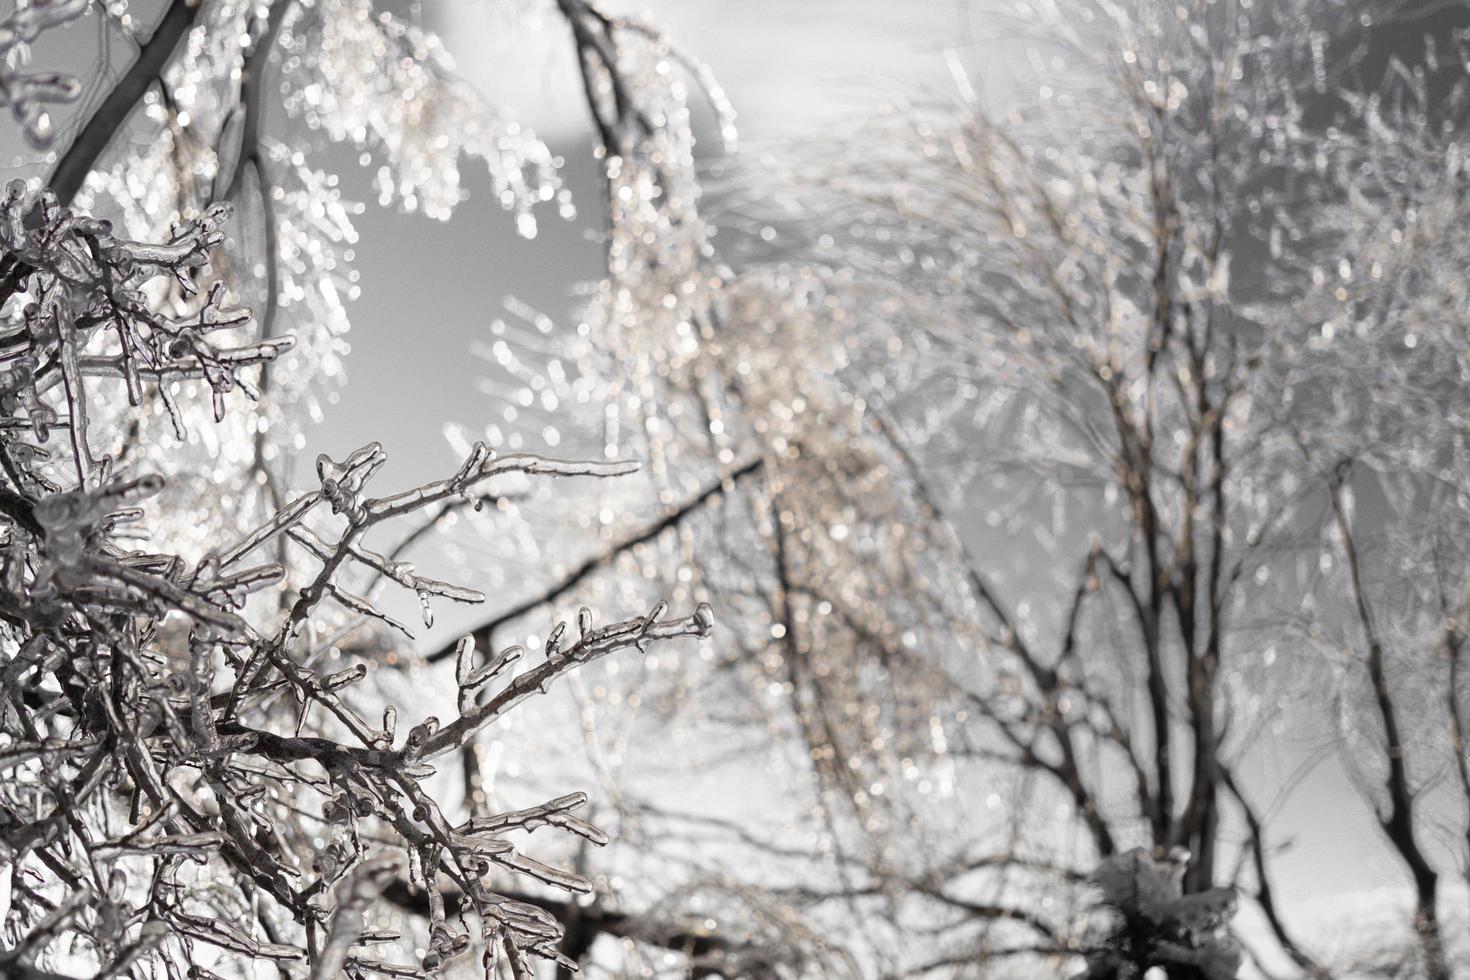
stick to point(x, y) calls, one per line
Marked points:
point(110, 116)
point(97, 134)
point(672, 518)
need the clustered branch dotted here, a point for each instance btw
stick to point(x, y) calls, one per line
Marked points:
point(162, 735)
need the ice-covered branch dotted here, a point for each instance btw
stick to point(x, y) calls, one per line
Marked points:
point(126, 668)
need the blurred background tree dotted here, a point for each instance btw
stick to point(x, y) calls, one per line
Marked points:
point(1021, 435)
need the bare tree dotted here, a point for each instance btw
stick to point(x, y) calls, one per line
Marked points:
point(1171, 316)
point(1189, 288)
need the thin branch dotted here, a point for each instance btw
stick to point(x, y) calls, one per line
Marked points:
point(605, 558)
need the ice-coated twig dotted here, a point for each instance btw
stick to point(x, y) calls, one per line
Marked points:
point(158, 716)
point(354, 895)
point(597, 644)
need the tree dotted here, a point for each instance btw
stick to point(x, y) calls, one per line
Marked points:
point(1193, 299)
point(1178, 313)
point(192, 785)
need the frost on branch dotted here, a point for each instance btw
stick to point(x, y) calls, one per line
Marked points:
point(88, 285)
point(190, 780)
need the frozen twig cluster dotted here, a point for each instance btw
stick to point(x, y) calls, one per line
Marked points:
point(187, 779)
